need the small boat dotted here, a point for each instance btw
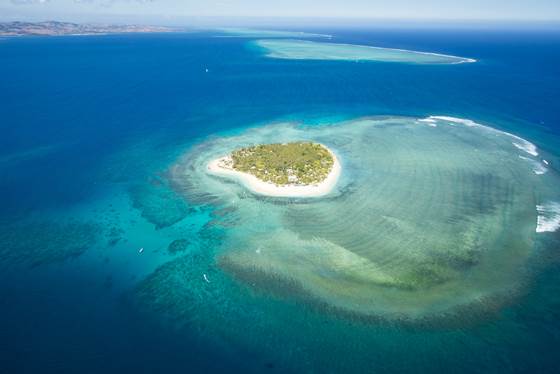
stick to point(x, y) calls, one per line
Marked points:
point(141, 250)
point(207, 70)
point(205, 278)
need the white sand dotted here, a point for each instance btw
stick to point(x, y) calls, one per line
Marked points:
point(222, 167)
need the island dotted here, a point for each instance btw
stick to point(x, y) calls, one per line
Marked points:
point(296, 169)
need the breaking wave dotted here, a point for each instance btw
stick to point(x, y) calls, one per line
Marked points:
point(518, 142)
point(548, 219)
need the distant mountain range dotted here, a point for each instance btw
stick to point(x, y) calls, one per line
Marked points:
point(51, 28)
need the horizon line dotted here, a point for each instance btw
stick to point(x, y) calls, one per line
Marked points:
point(276, 21)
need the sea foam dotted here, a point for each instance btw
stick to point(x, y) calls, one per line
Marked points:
point(538, 168)
point(548, 219)
point(466, 122)
point(428, 121)
point(518, 142)
point(526, 146)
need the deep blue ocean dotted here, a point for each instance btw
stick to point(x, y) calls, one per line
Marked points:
point(87, 122)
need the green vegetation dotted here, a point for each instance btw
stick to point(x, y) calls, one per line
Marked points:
point(299, 163)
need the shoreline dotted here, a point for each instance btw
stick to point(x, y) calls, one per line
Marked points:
point(220, 167)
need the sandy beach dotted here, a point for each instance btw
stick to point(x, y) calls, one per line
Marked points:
point(222, 167)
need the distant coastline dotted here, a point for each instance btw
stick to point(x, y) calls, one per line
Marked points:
point(55, 28)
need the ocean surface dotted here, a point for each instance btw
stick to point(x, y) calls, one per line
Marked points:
point(117, 256)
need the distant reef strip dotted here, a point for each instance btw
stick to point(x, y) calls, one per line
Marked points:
point(293, 49)
point(258, 33)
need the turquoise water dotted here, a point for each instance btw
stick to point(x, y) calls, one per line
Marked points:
point(308, 50)
point(120, 253)
point(425, 210)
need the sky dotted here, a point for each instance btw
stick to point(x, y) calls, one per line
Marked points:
point(173, 11)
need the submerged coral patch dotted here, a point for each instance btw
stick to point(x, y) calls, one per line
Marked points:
point(178, 245)
point(36, 243)
point(159, 204)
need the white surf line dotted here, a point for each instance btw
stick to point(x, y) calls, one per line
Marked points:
point(526, 146)
point(428, 121)
point(538, 168)
point(548, 218)
point(522, 144)
point(463, 59)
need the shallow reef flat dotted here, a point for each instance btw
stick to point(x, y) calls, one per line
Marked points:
point(159, 204)
point(429, 216)
point(311, 50)
point(257, 33)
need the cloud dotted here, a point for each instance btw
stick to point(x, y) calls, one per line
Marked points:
point(99, 2)
point(29, 2)
point(108, 2)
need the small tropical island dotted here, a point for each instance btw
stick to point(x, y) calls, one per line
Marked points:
point(296, 169)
